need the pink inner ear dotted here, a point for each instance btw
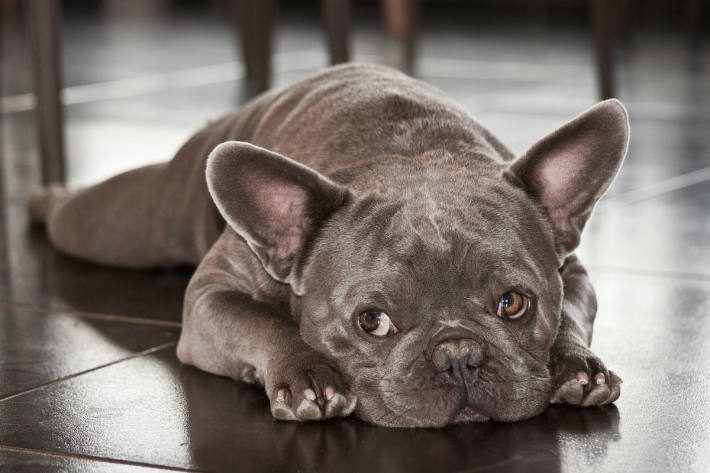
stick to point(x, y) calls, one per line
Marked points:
point(563, 174)
point(282, 202)
point(283, 210)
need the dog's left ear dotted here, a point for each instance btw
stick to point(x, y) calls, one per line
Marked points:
point(275, 203)
point(569, 170)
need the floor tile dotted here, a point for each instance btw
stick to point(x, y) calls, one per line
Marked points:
point(655, 333)
point(665, 233)
point(152, 410)
point(40, 347)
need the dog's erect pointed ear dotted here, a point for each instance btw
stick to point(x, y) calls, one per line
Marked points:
point(570, 169)
point(275, 203)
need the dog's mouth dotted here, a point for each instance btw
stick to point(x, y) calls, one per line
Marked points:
point(468, 414)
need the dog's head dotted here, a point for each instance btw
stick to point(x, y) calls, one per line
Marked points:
point(436, 289)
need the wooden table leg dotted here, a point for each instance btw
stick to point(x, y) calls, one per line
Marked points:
point(44, 19)
point(255, 20)
point(605, 30)
point(336, 14)
point(402, 21)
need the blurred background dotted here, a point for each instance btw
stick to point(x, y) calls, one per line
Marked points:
point(137, 77)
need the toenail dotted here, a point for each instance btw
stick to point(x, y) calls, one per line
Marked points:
point(309, 394)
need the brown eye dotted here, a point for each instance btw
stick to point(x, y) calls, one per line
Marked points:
point(513, 305)
point(376, 322)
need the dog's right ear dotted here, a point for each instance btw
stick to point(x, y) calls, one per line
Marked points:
point(569, 170)
point(275, 203)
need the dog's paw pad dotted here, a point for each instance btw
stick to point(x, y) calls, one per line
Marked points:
point(308, 410)
point(597, 395)
point(340, 405)
point(310, 390)
point(581, 379)
point(281, 406)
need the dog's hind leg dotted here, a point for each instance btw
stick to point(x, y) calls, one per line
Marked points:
point(155, 216)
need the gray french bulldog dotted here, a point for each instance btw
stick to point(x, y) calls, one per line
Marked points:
point(364, 245)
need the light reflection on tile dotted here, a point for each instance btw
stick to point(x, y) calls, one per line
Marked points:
point(40, 462)
point(669, 233)
point(38, 347)
point(655, 332)
point(153, 410)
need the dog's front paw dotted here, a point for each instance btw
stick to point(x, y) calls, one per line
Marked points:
point(306, 387)
point(580, 378)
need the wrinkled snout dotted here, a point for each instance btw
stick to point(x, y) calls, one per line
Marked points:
point(459, 358)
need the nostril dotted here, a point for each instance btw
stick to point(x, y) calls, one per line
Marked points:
point(441, 360)
point(475, 359)
point(459, 358)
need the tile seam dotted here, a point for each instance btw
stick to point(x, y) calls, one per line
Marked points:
point(91, 315)
point(53, 453)
point(38, 387)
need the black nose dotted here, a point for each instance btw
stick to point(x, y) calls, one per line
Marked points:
point(460, 357)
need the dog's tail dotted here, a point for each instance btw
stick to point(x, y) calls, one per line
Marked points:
point(42, 203)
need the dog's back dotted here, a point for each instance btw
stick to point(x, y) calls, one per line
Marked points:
point(337, 122)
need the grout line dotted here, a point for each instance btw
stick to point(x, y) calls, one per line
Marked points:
point(51, 453)
point(658, 273)
point(656, 189)
point(93, 315)
point(80, 373)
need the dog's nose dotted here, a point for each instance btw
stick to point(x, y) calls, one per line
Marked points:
point(460, 357)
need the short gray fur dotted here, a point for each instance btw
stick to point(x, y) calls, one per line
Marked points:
point(361, 189)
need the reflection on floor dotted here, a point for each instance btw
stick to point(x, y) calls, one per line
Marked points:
point(88, 375)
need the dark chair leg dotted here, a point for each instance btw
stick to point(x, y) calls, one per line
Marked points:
point(605, 26)
point(255, 20)
point(693, 11)
point(402, 20)
point(44, 19)
point(336, 14)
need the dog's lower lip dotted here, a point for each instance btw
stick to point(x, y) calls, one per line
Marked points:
point(468, 414)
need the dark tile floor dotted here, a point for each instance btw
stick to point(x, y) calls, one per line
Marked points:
point(88, 376)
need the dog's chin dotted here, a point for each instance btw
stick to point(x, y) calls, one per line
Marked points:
point(467, 414)
point(433, 409)
point(427, 418)
point(441, 407)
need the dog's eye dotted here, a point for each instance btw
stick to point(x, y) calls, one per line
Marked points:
point(513, 305)
point(376, 322)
